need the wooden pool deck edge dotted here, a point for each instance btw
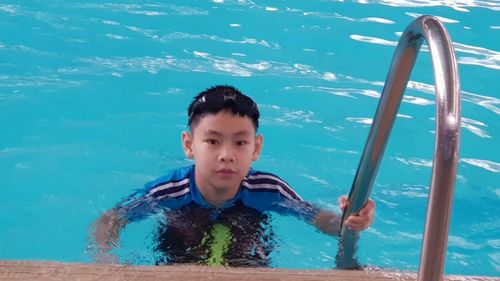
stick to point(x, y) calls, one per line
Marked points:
point(55, 271)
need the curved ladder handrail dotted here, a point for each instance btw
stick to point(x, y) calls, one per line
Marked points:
point(447, 143)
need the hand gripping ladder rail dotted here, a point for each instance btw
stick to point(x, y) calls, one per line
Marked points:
point(447, 142)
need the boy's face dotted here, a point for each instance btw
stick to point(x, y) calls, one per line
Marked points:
point(223, 146)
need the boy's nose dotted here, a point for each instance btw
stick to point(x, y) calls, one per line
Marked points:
point(226, 155)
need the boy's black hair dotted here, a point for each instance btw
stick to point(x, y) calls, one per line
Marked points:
point(219, 98)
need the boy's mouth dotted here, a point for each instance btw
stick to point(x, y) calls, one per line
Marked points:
point(225, 172)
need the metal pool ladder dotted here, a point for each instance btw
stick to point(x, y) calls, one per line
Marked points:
point(447, 143)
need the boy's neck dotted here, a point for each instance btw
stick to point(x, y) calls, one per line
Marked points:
point(214, 195)
point(217, 197)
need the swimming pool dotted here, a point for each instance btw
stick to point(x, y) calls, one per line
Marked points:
point(93, 98)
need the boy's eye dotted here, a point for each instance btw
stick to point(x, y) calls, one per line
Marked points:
point(212, 141)
point(242, 142)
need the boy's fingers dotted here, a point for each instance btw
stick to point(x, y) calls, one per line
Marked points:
point(363, 219)
point(354, 225)
point(369, 208)
point(359, 219)
point(343, 202)
point(358, 222)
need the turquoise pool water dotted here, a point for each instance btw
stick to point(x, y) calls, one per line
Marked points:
point(93, 97)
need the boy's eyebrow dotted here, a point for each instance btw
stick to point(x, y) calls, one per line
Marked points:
point(237, 134)
point(243, 133)
point(213, 132)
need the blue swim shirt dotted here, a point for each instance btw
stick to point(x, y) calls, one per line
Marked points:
point(261, 191)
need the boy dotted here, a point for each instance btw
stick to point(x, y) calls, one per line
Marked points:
point(216, 211)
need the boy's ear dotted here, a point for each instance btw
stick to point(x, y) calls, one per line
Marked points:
point(259, 142)
point(187, 144)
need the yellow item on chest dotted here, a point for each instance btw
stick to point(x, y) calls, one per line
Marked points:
point(221, 240)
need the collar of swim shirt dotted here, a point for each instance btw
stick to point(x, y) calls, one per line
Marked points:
point(198, 198)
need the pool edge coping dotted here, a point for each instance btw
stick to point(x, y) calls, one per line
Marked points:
point(49, 270)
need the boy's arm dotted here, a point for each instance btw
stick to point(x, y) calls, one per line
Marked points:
point(107, 230)
point(106, 235)
point(329, 222)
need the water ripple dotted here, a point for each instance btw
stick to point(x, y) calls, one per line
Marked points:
point(116, 37)
point(56, 21)
point(202, 62)
point(145, 9)
point(146, 32)
point(487, 102)
point(458, 5)
point(417, 162)
point(236, 2)
point(316, 179)
point(271, 9)
point(485, 164)
point(494, 243)
point(472, 126)
point(110, 22)
point(324, 15)
point(25, 49)
point(405, 190)
point(36, 81)
point(486, 58)
point(6, 152)
point(305, 116)
point(442, 19)
point(360, 120)
point(289, 117)
point(463, 243)
point(13, 96)
point(481, 100)
point(489, 58)
point(352, 92)
point(251, 41)
point(495, 260)
point(489, 63)
point(333, 150)
point(11, 9)
point(373, 40)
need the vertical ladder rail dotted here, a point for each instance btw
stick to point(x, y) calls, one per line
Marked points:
point(446, 149)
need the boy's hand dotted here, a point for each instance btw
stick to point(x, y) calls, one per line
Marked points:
point(363, 219)
point(106, 258)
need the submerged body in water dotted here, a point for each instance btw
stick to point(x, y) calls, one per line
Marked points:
point(194, 231)
point(236, 236)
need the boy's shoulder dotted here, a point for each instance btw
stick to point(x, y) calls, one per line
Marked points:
point(257, 175)
point(174, 180)
point(264, 181)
